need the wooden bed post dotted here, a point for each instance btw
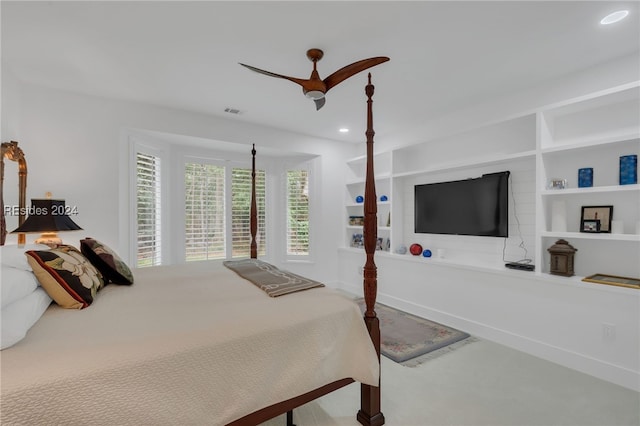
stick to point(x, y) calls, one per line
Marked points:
point(254, 209)
point(370, 413)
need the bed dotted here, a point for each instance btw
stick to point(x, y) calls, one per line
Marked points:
point(197, 344)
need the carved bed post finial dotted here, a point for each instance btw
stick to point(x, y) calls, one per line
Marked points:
point(11, 151)
point(370, 413)
point(254, 209)
point(370, 230)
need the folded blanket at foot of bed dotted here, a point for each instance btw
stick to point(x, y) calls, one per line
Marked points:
point(273, 281)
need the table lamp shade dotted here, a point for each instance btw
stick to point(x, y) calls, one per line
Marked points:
point(46, 215)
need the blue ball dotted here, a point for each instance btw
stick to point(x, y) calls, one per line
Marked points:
point(426, 253)
point(359, 199)
point(384, 198)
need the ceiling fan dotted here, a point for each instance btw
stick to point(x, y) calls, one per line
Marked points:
point(315, 88)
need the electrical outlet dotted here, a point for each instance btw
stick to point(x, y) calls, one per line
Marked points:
point(608, 332)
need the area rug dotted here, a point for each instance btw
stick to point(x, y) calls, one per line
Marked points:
point(410, 340)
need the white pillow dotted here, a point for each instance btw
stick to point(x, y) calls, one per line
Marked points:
point(18, 317)
point(15, 284)
point(13, 255)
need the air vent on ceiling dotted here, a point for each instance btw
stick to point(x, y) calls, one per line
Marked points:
point(232, 110)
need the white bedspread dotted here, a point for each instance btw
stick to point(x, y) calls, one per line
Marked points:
point(189, 345)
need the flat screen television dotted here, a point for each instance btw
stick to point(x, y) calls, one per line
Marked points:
point(478, 206)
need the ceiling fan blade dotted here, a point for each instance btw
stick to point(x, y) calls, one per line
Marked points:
point(319, 103)
point(299, 81)
point(343, 73)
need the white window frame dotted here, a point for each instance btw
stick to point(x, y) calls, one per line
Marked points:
point(309, 167)
point(138, 145)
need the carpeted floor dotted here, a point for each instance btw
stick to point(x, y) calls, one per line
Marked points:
point(410, 340)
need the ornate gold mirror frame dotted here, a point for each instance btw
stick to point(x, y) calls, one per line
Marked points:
point(11, 151)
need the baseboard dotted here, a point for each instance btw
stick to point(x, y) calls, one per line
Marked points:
point(580, 362)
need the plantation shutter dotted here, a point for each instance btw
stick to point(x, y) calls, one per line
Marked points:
point(241, 212)
point(148, 217)
point(297, 212)
point(204, 212)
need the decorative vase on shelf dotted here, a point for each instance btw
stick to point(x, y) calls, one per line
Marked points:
point(628, 169)
point(585, 177)
point(415, 249)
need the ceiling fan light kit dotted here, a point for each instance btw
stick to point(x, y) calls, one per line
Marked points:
point(316, 88)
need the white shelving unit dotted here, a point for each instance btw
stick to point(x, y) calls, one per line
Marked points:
point(355, 188)
point(594, 131)
point(550, 143)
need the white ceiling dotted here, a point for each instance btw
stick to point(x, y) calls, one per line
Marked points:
point(444, 55)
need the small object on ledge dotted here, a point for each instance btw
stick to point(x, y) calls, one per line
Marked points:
point(415, 249)
point(426, 253)
point(359, 199)
point(557, 183)
point(613, 280)
point(562, 258)
point(520, 266)
point(585, 177)
point(628, 169)
point(384, 198)
point(401, 249)
point(356, 220)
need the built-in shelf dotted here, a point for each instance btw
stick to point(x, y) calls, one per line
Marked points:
point(359, 227)
point(590, 190)
point(576, 145)
point(592, 236)
point(484, 161)
point(379, 177)
point(554, 142)
point(574, 281)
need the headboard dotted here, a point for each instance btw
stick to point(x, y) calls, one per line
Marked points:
point(11, 151)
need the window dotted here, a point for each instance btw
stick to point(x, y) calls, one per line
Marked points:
point(204, 212)
point(241, 212)
point(206, 216)
point(148, 217)
point(297, 213)
point(188, 204)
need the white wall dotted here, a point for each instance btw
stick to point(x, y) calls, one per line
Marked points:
point(556, 319)
point(72, 145)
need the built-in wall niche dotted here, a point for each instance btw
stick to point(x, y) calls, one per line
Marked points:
point(626, 209)
point(592, 250)
point(597, 119)
point(476, 250)
point(603, 159)
point(484, 145)
point(357, 167)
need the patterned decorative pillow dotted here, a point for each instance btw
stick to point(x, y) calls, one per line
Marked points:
point(107, 261)
point(66, 275)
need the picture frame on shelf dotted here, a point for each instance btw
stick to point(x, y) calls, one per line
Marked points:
point(589, 225)
point(613, 280)
point(590, 214)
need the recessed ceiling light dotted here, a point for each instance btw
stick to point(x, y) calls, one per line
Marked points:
point(614, 17)
point(343, 130)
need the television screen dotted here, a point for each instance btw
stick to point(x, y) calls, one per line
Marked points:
point(478, 206)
